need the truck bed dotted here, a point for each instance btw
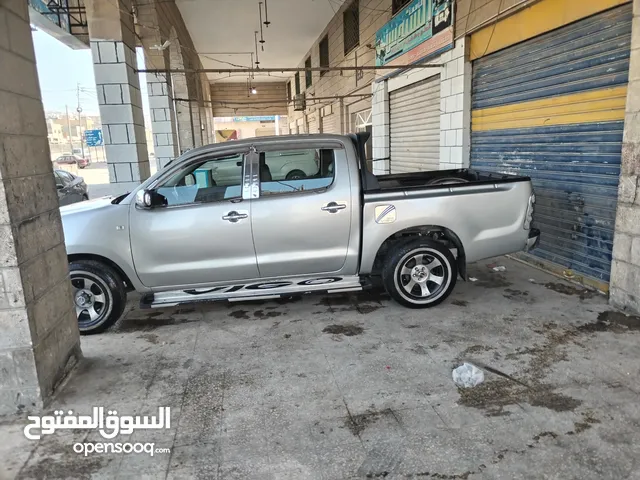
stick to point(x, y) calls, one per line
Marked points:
point(436, 179)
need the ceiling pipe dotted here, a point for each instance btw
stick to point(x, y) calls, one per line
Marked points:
point(283, 70)
point(284, 100)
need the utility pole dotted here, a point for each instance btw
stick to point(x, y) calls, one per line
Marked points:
point(79, 110)
point(69, 129)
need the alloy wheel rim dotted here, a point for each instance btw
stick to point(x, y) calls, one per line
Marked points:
point(91, 298)
point(423, 276)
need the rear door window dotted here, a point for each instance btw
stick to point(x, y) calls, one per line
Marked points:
point(291, 171)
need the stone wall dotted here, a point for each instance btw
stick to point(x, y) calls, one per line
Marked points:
point(39, 342)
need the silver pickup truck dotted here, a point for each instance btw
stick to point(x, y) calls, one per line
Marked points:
point(217, 224)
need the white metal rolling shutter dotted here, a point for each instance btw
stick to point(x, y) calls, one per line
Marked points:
point(265, 132)
point(414, 116)
point(330, 124)
point(313, 125)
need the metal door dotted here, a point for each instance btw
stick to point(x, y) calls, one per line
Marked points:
point(414, 116)
point(330, 124)
point(553, 108)
point(195, 243)
point(298, 232)
point(313, 124)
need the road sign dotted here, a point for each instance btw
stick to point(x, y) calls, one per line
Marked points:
point(93, 138)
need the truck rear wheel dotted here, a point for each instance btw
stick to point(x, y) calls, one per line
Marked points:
point(419, 274)
point(99, 295)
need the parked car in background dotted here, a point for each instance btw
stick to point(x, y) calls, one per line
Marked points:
point(70, 159)
point(217, 224)
point(71, 189)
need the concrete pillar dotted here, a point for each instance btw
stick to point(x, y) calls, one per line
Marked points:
point(625, 270)
point(196, 121)
point(39, 342)
point(163, 119)
point(113, 45)
point(183, 111)
point(455, 107)
point(380, 127)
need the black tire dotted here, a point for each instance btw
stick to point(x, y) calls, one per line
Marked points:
point(85, 197)
point(439, 280)
point(108, 286)
point(296, 175)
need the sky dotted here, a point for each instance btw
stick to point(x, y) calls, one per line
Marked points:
point(61, 69)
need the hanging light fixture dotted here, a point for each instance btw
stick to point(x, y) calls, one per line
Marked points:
point(255, 37)
point(254, 90)
point(261, 32)
point(266, 14)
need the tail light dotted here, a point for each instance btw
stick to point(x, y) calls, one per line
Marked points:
point(530, 207)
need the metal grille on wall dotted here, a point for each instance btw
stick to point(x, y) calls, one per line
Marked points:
point(553, 108)
point(69, 15)
point(414, 118)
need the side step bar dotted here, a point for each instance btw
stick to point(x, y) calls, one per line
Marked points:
point(256, 291)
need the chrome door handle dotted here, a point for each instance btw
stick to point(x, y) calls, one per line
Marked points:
point(333, 207)
point(234, 216)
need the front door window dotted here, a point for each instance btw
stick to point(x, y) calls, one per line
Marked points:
point(204, 182)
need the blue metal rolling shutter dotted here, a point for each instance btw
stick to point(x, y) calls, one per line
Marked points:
point(575, 78)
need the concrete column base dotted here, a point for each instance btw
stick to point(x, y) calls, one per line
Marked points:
point(39, 339)
point(625, 268)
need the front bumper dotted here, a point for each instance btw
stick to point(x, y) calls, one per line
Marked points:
point(533, 240)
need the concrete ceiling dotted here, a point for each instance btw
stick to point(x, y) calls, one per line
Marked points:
point(223, 31)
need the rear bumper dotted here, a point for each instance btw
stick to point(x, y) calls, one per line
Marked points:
point(533, 240)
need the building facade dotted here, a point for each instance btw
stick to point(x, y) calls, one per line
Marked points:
point(536, 88)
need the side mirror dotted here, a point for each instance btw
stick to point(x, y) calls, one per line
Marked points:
point(150, 199)
point(59, 187)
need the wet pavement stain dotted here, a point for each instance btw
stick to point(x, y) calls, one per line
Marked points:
point(460, 303)
point(146, 324)
point(611, 321)
point(184, 311)
point(262, 314)
point(418, 349)
point(239, 314)
point(150, 337)
point(292, 299)
point(472, 350)
point(583, 293)
point(511, 294)
point(367, 308)
point(493, 396)
point(495, 280)
point(587, 422)
point(58, 465)
point(358, 423)
point(346, 330)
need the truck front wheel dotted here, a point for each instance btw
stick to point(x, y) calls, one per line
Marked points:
point(419, 274)
point(99, 295)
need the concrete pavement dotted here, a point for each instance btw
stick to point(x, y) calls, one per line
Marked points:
point(358, 387)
